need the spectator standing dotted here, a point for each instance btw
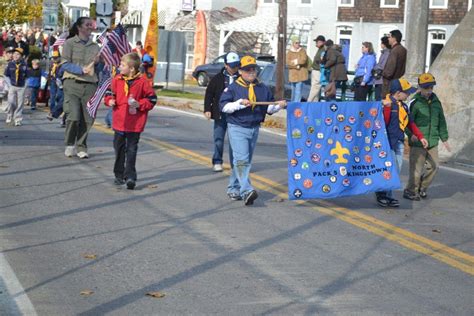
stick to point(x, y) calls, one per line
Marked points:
point(16, 73)
point(18, 42)
point(316, 70)
point(296, 61)
point(33, 82)
point(244, 119)
point(396, 62)
point(428, 115)
point(335, 64)
point(378, 70)
point(56, 97)
point(212, 110)
point(363, 79)
point(139, 49)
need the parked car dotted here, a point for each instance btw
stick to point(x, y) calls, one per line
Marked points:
point(267, 75)
point(204, 73)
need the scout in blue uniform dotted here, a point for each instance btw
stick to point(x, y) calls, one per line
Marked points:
point(243, 124)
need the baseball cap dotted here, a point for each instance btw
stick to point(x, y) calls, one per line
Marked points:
point(55, 54)
point(426, 80)
point(248, 62)
point(19, 49)
point(320, 38)
point(401, 85)
point(232, 59)
point(10, 49)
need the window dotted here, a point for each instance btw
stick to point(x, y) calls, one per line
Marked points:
point(75, 14)
point(345, 3)
point(389, 3)
point(438, 4)
point(189, 50)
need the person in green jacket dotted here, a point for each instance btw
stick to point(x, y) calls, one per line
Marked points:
point(427, 113)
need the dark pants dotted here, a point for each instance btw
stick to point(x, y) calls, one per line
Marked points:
point(33, 96)
point(378, 92)
point(220, 128)
point(58, 107)
point(126, 147)
point(361, 93)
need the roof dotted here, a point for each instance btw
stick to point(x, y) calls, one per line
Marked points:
point(265, 24)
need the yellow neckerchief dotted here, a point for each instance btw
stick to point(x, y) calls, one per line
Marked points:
point(402, 112)
point(114, 71)
point(17, 72)
point(53, 69)
point(127, 79)
point(252, 97)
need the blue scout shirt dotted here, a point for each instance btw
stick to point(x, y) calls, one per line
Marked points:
point(10, 72)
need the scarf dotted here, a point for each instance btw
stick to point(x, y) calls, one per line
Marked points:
point(17, 72)
point(53, 69)
point(402, 112)
point(252, 97)
point(128, 81)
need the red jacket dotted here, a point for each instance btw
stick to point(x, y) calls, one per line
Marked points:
point(141, 90)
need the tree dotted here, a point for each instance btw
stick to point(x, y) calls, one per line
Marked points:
point(19, 11)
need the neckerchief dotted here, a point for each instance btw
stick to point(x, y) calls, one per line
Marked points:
point(17, 72)
point(53, 69)
point(252, 97)
point(128, 80)
point(402, 112)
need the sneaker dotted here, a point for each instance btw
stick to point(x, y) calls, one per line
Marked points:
point(82, 155)
point(423, 194)
point(383, 200)
point(393, 203)
point(17, 123)
point(409, 195)
point(217, 168)
point(9, 119)
point(250, 197)
point(119, 181)
point(234, 196)
point(50, 116)
point(33, 108)
point(130, 184)
point(69, 152)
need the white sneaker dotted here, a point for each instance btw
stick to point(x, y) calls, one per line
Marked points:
point(18, 123)
point(217, 168)
point(69, 152)
point(82, 155)
point(9, 119)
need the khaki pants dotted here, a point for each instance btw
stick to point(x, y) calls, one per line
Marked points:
point(315, 86)
point(424, 164)
point(16, 97)
point(78, 122)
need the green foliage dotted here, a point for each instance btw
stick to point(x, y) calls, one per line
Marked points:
point(19, 11)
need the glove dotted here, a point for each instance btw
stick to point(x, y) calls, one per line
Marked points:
point(273, 108)
point(231, 107)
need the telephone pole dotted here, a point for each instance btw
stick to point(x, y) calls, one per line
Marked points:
point(280, 75)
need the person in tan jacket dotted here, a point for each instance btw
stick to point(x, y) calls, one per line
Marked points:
point(297, 63)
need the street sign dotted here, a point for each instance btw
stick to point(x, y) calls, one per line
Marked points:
point(104, 8)
point(50, 15)
point(103, 22)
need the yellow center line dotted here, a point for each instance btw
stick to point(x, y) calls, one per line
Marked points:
point(453, 257)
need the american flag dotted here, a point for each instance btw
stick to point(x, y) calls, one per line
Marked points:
point(60, 40)
point(119, 38)
point(104, 84)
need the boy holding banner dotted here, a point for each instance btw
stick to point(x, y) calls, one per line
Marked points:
point(246, 102)
point(397, 119)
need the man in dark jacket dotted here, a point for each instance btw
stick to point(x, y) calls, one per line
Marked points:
point(211, 107)
point(395, 66)
point(18, 42)
point(316, 71)
point(335, 63)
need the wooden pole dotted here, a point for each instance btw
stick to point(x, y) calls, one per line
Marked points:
point(281, 58)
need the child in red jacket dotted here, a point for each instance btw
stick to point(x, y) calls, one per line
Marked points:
point(131, 97)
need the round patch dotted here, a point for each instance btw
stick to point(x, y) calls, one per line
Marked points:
point(317, 122)
point(330, 141)
point(298, 113)
point(342, 171)
point(368, 158)
point(335, 129)
point(383, 154)
point(374, 134)
point(357, 159)
point(367, 139)
point(316, 158)
point(377, 145)
point(310, 130)
point(348, 138)
point(333, 107)
point(347, 129)
point(308, 143)
point(367, 181)
point(386, 175)
point(351, 119)
point(355, 149)
point(373, 112)
point(377, 124)
point(359, 134)
point(318, 146)
point(361, 113)
point(327, 162)
point(328, 121)
point(297, 176)
point(293, 162)
point(333, 179)
point(367, 124)
point(326, 188)
point(367, 148)
point(305, 166)
point(296, 133)
point(307, 183)
point(320, 135)
point(388, 163)
point(306, 119)
point(298, 152)
point(346, 182)
point(297, 193)
point(340, 118)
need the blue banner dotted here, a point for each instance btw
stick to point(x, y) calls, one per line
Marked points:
point(338, 149)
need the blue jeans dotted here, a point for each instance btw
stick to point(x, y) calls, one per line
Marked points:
point(243, 141)
point(59, 100)
point(397, 155)
point(296, 91)
point(53, 90)
point(220, 128)
point(108, 117)
point(33, 96)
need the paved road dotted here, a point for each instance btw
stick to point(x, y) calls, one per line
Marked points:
point(66, 229)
